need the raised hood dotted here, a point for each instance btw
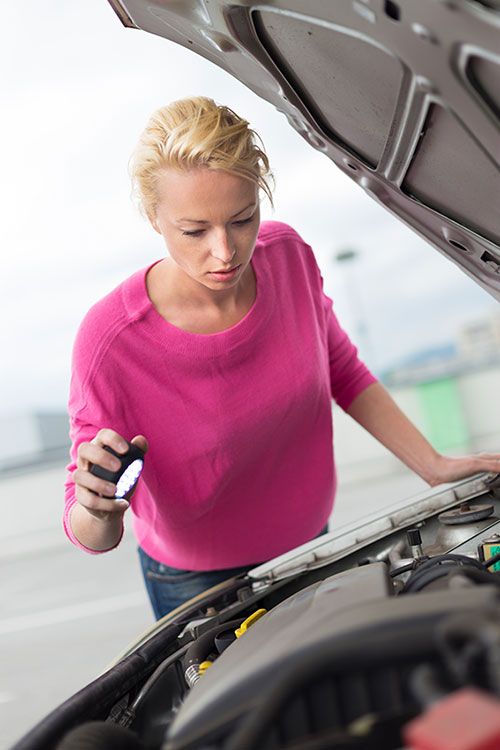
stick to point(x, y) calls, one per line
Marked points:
point(403, 95)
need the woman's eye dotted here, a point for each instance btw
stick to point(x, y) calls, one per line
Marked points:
point(244, 221)
point(199, 232)
point(194, 233)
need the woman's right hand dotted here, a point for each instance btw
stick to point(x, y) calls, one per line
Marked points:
point(94, 494)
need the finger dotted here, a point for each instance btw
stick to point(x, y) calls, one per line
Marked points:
point(90, 482)
point(93, 453)
point(490, 464)
point(98, 505)
point(494, 460)
point(480, 463)
point(112, 439)
point(141, 442)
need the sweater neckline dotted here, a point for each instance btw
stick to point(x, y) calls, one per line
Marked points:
point(139, 305)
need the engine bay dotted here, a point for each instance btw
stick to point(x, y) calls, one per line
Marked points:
point(343, 655)
point(375, 636)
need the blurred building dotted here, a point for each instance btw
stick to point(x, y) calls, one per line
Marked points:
point(478, 342)
point(477, 345)
point(31, 439)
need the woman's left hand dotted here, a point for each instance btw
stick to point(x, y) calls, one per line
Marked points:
point(450, 468)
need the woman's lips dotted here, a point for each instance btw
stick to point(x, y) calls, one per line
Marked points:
point(225, 275)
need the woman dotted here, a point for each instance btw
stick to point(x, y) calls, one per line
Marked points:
point(223, 357)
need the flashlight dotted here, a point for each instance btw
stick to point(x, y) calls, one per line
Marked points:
point(127, 475)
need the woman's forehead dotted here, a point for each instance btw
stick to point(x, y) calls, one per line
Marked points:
point(186, 195)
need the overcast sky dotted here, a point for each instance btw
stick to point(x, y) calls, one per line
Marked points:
point(78, 89)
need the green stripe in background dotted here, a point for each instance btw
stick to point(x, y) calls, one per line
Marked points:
point(444, 420)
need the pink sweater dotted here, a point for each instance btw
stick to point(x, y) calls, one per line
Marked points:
point(240, 466)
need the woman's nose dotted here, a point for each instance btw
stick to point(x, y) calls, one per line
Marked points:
point(222, 248)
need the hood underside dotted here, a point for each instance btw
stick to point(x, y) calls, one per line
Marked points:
point(403, 96)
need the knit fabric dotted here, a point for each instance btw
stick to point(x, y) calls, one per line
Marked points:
point(240, 465)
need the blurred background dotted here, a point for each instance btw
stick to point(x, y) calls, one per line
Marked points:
point(78, 89)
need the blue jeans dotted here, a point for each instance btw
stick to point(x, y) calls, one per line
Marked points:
point(170, 587)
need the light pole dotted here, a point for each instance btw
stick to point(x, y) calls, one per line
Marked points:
point(347, 258)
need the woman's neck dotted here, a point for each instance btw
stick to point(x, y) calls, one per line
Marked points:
point(189, 305)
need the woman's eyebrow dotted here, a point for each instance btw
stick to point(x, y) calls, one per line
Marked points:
point(202, 221)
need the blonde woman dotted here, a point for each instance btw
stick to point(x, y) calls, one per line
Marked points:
point(221, 360)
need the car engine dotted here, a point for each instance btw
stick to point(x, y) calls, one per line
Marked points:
point(385, 636)
point(349, 661)
point(357, 658)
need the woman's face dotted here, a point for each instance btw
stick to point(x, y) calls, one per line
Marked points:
point(209, 220)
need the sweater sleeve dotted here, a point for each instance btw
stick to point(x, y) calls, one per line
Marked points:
point(86, 417)
point(349, 376)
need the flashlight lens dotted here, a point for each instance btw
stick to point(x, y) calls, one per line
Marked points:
point(128, 478)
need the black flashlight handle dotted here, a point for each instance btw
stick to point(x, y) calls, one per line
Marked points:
point(133, 453)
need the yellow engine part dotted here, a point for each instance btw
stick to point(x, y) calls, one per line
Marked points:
point(249, 622)
point(204, 666)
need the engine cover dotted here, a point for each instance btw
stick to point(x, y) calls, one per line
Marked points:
point(349, 627)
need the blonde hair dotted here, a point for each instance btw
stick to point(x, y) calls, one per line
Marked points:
point(196, 132)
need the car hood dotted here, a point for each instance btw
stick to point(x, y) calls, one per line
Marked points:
point(403, 96)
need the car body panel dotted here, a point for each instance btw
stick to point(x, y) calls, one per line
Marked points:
point(403, 96)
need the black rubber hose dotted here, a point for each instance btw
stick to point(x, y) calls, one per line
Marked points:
point(100, 735)
point(437, 567)
point(491, 560)
point(150, 682)
point(402, 569)
point(459, 559)
point(202, 646)
point(466, 640)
